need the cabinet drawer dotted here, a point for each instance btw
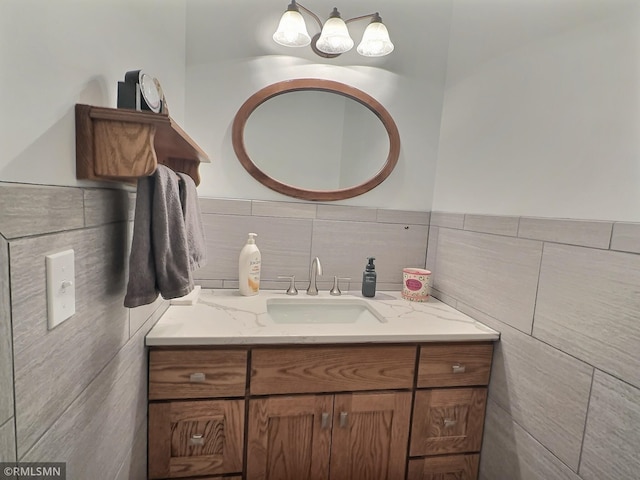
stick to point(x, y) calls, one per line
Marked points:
point(460, 467)
point(448, 420)
point(331, 369)
point(203, 437)
point(197, 373)
point(453, 365)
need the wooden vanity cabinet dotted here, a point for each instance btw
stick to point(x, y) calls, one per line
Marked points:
point(289, 437)
point(195, 429)
point(340, 412)
point(370, 433)
point(357, 436)
point(448, 410)
point(345, 436)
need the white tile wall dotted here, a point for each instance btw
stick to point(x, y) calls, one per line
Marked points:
point(96, 433)
point(343, 248)
point(612, 436)
point(47, 376)
point(81, 387)
point(290, 234)
point(558, 420)
point(589, 306)
point(509, 452)
point(492, 224)
point(7, 441)
point(497, 275)
point(6, 355)
point(32, 210)
point(283, 209)
point(541, 395)
point(572, 232)
point(626, 237)
point(563, 398)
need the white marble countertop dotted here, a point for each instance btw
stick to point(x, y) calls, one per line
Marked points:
point(224, 317)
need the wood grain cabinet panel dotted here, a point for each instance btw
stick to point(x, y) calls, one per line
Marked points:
point(370, 435)
point(359, 436)
point(448, 420)
point(331, 369)
point(197, 373)
point(454, 365)
point(203, 437)
point(448, 467)
point(289, 438)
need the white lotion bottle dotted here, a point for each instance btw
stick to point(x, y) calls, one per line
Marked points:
point(249, 267)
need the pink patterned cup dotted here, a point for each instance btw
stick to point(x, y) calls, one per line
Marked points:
point(415, 284)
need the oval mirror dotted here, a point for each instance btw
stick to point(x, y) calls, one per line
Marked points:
point(316, 139)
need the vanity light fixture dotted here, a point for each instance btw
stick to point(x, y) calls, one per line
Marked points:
point(334, 38)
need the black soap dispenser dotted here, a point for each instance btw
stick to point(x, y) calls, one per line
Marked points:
point(369, 279)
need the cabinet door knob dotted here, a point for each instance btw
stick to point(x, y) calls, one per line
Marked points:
point(197, 377)
point(457, 368)
point(449, 422)
point(324, 423)
point(196, 439)
point(344, 418)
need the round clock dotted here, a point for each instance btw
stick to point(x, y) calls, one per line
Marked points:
point(150, 92)
point(140, 91)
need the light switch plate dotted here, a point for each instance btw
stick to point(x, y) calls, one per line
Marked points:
point(61, 287)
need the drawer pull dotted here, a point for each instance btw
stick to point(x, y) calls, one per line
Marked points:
point(324, 423)
point(457, 368)
point(343, 419)
point(197, 377)
point(449, 423)
point(196, 439)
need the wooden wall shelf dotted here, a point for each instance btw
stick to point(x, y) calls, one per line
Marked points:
point(122, 145)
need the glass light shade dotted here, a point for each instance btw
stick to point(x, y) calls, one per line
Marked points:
point(375, 41)
point(334, 37)
point(292, 31)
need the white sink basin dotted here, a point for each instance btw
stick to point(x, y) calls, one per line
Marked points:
point(321, 311)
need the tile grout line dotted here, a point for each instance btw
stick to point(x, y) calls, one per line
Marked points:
point(611, 235)
point(13, 356)
point(535, 298)
point(586, 420)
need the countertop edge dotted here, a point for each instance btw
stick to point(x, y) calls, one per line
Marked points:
point(316, 340)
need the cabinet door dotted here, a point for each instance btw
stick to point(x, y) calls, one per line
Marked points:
point(370, 436)
point(195, 438)
point(448, 467)
point(448, 421)
point(289, 438)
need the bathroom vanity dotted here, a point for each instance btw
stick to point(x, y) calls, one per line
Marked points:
point(236, 388)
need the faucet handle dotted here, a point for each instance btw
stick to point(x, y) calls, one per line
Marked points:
point(335, 290)
point(292, 290)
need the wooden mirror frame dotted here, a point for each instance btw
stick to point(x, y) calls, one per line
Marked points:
point(261, 96)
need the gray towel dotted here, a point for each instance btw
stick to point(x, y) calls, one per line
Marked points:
point(160, 260)
point(192, 222)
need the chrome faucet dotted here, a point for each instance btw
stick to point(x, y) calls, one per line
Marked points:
point(314, 271)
